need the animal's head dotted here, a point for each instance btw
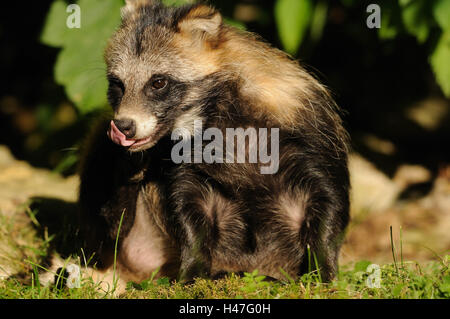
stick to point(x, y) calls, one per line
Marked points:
point(157, 62)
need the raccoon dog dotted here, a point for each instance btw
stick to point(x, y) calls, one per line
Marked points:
point(168, 68)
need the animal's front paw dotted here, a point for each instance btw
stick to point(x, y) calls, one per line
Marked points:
point(61, 275)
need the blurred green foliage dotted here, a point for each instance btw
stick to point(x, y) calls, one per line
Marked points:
point(293, 18)
point(429, 22)
point(80, 67)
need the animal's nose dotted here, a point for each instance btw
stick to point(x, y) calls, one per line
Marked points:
point(127, 127)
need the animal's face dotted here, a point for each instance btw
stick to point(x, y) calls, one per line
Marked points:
point(157, 61)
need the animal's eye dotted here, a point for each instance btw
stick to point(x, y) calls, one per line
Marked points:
point(159, 84)
point(157, 87)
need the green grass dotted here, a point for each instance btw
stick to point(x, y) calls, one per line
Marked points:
point(26, 246)
point(429, 281)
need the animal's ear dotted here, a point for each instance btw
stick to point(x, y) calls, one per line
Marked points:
point(201, 22)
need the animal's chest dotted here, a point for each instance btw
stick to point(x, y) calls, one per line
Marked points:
point(145, 248)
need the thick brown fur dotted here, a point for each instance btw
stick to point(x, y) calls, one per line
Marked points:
point(204, 219)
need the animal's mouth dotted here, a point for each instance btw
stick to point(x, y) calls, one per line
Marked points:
point(120, 139)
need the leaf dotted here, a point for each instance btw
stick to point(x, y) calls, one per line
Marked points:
point(145, 284)
point(397, 290)
point(80, 67)
point(444, 287)
point(55, 26)
point(292, 19)
point(319, 20)
point(132, 285)
point(441, 12)
point(362, 265)
point(440, 62)
point(163, 281)
point(417, 18)
point(390, 21)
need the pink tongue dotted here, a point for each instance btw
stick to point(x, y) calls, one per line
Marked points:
point(118, 137)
